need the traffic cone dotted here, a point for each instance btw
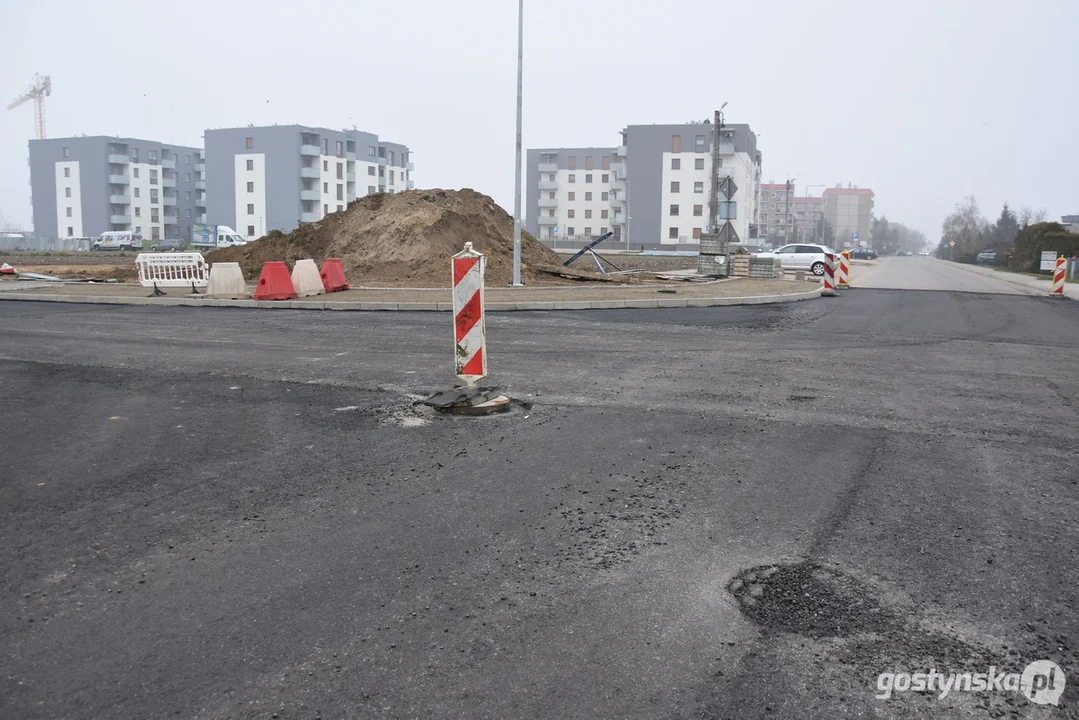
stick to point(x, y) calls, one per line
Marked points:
point(6, 269)
point(333, 275)
point(274, 283)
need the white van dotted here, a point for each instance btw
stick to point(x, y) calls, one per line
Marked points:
point(121, 240)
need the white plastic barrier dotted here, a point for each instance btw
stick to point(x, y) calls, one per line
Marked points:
point(227, 279)
point(158, 270)
point(306, 279)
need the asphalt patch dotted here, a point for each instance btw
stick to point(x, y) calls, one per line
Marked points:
point(809, 599)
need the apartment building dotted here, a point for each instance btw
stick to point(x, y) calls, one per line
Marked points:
point(275, 178)
point(849, 211)
point(570, 193)
point(808, 219)
point(652, 190)
point(84, 186)
point(775, 213)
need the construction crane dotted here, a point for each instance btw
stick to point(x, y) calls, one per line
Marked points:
point(41, 89)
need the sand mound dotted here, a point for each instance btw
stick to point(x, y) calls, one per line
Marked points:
point(403, 240)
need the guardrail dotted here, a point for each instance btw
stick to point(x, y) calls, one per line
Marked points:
point(158, 270)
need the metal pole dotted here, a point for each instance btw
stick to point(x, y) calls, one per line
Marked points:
point(517, 173)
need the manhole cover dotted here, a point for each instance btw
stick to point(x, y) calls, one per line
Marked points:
point(808, 599)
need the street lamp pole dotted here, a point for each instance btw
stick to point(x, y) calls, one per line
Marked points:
point(818, 231)
point(517, 173)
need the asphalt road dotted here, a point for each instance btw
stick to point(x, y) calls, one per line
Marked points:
point(927, 273)
point(726, 512)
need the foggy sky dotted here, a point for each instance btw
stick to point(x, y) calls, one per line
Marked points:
point(924, 101)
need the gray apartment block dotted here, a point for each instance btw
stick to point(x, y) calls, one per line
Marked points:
point(84, 186)
point(275, 178)
point(547, 173)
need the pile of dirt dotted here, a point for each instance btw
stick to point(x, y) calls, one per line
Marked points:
point(403, 240)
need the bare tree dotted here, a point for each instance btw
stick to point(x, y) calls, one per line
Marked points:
point(966, 228)
point(1028, 216)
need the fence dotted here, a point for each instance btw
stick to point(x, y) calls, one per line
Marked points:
point(159, 270)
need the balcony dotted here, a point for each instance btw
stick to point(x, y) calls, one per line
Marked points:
point(548, 167)
point(620, 151)
point(545, 220)
point(411, 167)
point(117, 159)
point(168, 182)
point(200, 167)
point(120, 219)
point(171, 220)
point(200, 185)
point(548, 185)
point(169, 200)
point(312, 173)
point(313, 195)
point(200, 201)
point(411, 185)
point(119, 199)
point(351, 156)
point(548, 202)
point(350, 177)
point(309, 217)
point(119, 180)
point(168, 163)
point(616, 200)
point(310, 150)
point(619, 186)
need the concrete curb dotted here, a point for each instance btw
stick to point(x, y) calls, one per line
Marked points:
point(632, 303)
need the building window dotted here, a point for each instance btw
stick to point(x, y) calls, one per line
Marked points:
point(698, 187)
point(382, 151)
point(381, 171)
point(251, 231)
point(370, 169)
point(135, 172)
point(588, 163)
point(325, 165)
point(340, 208)
point(393, 177)
point(153, 157)
point(340, 171)
point(371, 150)
point(325, 187)
point(676, 163)
point(674, 209)
point(588, 178)
point(571, 213)
point(325, 209)
point(696, 233)
point(603, 214)
point(572, 195)
point(393, 158)
point(187, 177)
point(325, 146)
point(138, 211)
point(187, 159)
point(340, 191)
point(550, 213)
point(250, 209)
point(67, 172)
point(67, 192)
point(587, 231)
point(138, 229)
point(605, 164)
point(153, 177)
point(67, 152)
point(70, 231)
point(698, 210)
point(672, 233)
point(250, 187)
point(551, 195)
point(572, 178)
point(605, 196)
point(250, 164)
point(155, 232)
point(676, 143)
point(698, 143)
point(340, 148)
point(154, 215)
point(675, 187)
point(69, 212)
point(588, 214)
point(188, 212)
point(603, 231)
point(136, 192)
point(572, 162)
point(698, 164)
point(569, 231)
point(250, 143)
point(588, 196)
point(187, 195)
point(370, 189)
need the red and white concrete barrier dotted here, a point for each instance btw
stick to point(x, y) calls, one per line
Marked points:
point(843, 276)
point(1059, 273)
point(470, 334)
point(829, 276)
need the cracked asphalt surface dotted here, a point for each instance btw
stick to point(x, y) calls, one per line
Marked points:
point(721, 512)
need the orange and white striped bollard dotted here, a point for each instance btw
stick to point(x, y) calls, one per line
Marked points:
point(469, 327)
point(1057, 290)
point(829, 276)
point(843, 276)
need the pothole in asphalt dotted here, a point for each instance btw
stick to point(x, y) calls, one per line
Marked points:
point(809, 599)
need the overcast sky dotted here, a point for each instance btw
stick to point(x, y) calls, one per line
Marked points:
point(924, 101)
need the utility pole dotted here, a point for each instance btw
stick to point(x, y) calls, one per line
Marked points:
point(713, 206)
point(789, 223)
point(517, 173)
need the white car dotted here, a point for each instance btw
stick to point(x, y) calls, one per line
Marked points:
point(801, 257)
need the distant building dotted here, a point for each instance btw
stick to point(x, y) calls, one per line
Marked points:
point(775, 213)
point(1071, 222)
point(654, 188)
point(84, 186)
point(808, 217)
point(849, 210)
point(275, 178)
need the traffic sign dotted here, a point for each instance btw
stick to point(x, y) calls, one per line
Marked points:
point(727, 233)
point(727, 187)
point(854, 236)
point(952, 243)
point(1049, 260)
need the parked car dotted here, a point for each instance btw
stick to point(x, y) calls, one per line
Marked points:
point(863, 253)
point(117, 240)
point(987, 257)
point(169, 246)
point(801, 257)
